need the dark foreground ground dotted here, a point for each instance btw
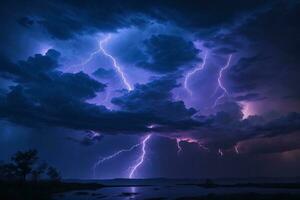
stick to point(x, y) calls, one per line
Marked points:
point(41, 190)
point(46, 191)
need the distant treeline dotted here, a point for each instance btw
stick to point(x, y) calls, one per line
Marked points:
point(26, 166)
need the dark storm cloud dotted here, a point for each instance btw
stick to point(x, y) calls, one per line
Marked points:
point(39, 78)
point(228, 112)
point(104, 73)
point(155, 98)
point(285, 124)
point(247, 74)
point(167, 53)
point(64, 19)
point(271, 36)
point(58, 99)
point(7, 68)
point(33, 68)
point(277, 144)
point(63, 111)
point(281, 40)
point(45, 96)
point(26, 21)
point(62, 28)
point(224, 50)
point(282, 34)
point(223, 130)
point(250, 97)
point(75, 114)
point(226, 128)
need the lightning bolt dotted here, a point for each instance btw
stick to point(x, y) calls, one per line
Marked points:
point(220, 84)
point(191, 73)
point(236, 149)
point(141, 158)
point(117, 68)
point(115, 64)
point(220, 152)
point(89, 59)
point(179, 148)
point(143, 143)
point(100, 161)
point(188, 140)
point(84, 62)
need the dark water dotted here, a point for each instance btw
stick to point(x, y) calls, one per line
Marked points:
point(168, 189)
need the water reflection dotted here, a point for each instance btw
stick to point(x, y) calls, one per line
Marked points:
point(133, 192)
point(163, 191)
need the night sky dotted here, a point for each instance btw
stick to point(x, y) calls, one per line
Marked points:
point(144, 89)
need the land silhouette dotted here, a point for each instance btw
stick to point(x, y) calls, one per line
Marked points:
point(25, 177)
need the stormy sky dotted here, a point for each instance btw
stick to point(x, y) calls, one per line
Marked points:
point(143, 89)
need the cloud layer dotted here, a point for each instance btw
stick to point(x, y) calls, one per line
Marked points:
point(156, 45)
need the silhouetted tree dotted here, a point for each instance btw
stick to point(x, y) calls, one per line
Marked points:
point(24, 162)
point(53, 174)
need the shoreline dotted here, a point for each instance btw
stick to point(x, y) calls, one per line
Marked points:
point(46, 190)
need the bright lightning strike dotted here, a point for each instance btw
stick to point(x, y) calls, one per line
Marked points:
point(188, 140)
point(115, 64)
point(100, 161)
point(142, 157)
point(89, 59)
point(220, 152)
point(221, 74)
point(220, 84)
point(178, 145)
point(84, 62)
point(236, 149)
point(191, 73)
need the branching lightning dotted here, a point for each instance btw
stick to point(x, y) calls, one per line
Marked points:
point(191, 73)
point(89, 59)
point(84, 62)
point(118, 69)
point(188, 140)
point(146, 139)
point(220, 84)
point(142, 157)
point(115, 64)
point(143, 144)
point(128, 86)
point(102, 160)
